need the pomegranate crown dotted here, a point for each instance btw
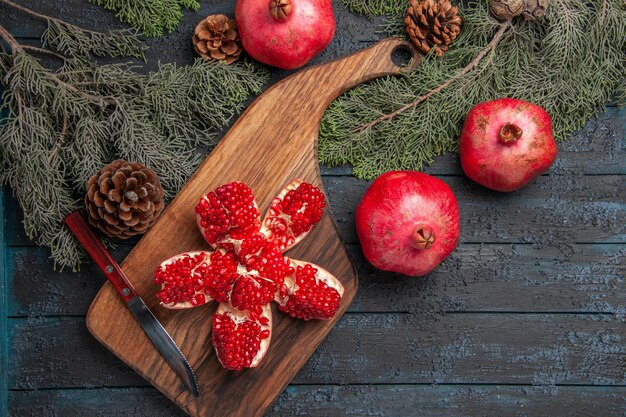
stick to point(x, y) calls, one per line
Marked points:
point(280, 9)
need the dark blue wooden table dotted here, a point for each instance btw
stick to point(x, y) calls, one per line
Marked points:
point(526, 318)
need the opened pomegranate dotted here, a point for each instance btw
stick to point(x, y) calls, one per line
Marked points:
point(505, 143)
point(285, 33)
point(247, 269)
point(407, 222)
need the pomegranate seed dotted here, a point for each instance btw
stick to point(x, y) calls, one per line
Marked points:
point(293, 215)
point(313, 299)
point(236, 344)
point(251, 294)
point(221, 275)
point(270, 264)
point(305, 205)
point(199, 299)
point(229, 207)
point(181, 278)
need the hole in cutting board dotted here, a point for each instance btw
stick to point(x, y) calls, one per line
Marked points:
point(402, 55)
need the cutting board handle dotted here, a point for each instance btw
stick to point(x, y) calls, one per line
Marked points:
point(319, 85)
point(364, 65)
point(284, 121)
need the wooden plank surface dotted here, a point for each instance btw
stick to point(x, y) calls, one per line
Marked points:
point(554, 211)
point(476, 278)
point(504, 327)
point(4, 279)
point(570, 209)
point(330, 400)
point(385, 348)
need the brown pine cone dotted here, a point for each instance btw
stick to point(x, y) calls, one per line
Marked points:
point(504, 10)
point(216, 37)
point(534, 9)
point(432, 24)
point(124, 199)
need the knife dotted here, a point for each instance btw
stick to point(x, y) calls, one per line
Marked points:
point(162, 341)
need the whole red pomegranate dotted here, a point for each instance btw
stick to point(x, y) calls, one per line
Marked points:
point(285, 33)
point(505, 143)
point(408, 222)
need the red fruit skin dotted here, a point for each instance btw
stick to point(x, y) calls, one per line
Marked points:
point(393, 208)
point(506, 167)
point(288, 43)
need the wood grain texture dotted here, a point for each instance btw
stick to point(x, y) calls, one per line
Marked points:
point(556, 210)
point(476, 278)
point(365, 348)
point(341, 401)
point(569, 208)
point(273, 142)
point(4, 279)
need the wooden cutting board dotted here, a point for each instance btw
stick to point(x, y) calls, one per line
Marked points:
point(273, 142)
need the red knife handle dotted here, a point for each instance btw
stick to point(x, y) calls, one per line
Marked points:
point(100, 255)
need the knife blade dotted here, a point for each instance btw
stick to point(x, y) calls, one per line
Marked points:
point(164, 343)
point(157, 334)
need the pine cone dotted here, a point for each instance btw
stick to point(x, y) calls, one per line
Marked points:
point(534, 9)
point(504, 10)
point(124, 199)
point(216, 37)
point(432, 24)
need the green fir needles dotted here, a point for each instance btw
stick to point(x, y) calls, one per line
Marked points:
point(78, 43)
point(152, 17)
point(570, 62)
point(61, 126)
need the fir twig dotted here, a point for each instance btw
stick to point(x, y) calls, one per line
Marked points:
point(469, 67)
point(43, 51)
point(10, 40)
point(152, 17)
point(61, 140)
point(77, 42)
point(372, 8)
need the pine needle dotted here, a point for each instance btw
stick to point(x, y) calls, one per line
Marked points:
point(78, 43)
point(154, 17)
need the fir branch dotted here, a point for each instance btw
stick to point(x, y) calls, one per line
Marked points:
point(571, 62)
point(473, 64)
point(10, 40)
point(76, 42)
point(100, 101)
point(43, 51)
point(62, 126)
point(372, 8)
point(152, 18)
point(37, 181)
point(393, 12)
